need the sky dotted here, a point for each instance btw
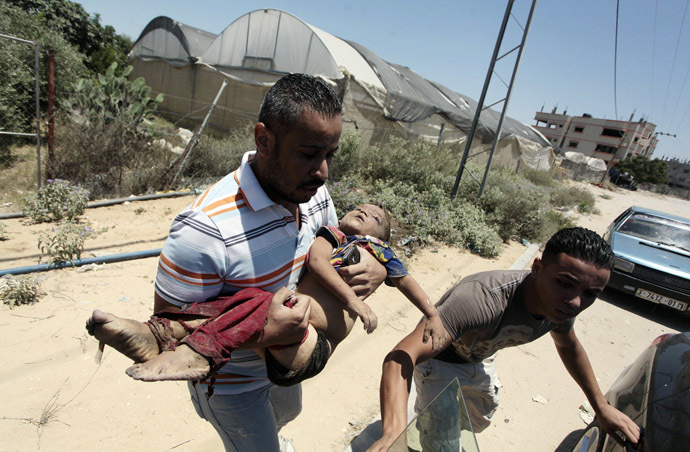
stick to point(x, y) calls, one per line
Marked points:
point(568, 62)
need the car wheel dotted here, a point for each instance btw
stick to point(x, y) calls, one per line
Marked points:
point(592, 439)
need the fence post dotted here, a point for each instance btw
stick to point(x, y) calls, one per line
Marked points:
point(195, 137)
point(51, 113)
point(38, 122)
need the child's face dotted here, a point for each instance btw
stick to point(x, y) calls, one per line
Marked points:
point(366, 219)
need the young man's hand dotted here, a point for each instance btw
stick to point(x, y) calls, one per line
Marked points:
point(435, 330)
point(365, 313)
point(618, 425)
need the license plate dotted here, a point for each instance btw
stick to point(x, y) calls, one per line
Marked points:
point(656, 298)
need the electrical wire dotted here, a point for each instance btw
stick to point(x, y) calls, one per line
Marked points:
point(685, 79)
point(673, 64)
point(656, 11)
point(615, 63)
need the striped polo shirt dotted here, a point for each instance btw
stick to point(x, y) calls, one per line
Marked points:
point(233, 236)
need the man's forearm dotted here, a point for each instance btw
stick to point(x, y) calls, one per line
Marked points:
point(396, 380)
point(580, 369)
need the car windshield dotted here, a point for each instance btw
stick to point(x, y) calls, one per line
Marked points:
point(658, 230)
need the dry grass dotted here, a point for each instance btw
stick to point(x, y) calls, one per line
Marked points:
point(19, 178)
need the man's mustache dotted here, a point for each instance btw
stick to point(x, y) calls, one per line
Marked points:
point(313, 183)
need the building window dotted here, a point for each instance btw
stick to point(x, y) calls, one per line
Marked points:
point(605, 149)
point(551, 126)
point(612, 133)
point(579, 129)
point(572, 144)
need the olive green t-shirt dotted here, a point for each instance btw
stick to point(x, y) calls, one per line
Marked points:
point(486, 312)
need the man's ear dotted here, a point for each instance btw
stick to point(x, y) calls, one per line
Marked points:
point(537, 265)
point(264, 139)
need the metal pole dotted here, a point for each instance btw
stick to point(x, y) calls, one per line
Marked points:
point(507, 99)
point(440, 136)
point(51, 113)
point(195, 138)
point(480, 104)
point(38, 123)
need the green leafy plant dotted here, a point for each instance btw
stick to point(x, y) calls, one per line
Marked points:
point(107, 144)
point(3, 232)
point(63, 243)
point(56, 200)
point(19, 290)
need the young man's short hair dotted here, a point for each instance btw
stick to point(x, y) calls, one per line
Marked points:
point(582, 244)
point(291, 95)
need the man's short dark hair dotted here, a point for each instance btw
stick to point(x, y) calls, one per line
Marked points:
point(293, 94)
point(582, 244)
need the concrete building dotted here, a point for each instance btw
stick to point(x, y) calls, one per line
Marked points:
point(605, 139)
point(678, 173)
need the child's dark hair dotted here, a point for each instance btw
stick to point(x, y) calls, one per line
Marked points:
point(582, 244)
point(385, 223)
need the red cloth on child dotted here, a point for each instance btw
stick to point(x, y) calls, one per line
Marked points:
point(231, 322)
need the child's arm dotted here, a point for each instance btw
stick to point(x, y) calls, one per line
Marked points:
point(434, 327)
point(320, 265)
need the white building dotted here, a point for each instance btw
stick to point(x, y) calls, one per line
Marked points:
point(605, 139)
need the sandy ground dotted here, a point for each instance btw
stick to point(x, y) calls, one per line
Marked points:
point(54, 397)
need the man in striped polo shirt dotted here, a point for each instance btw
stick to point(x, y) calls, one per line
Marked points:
point(253, 229)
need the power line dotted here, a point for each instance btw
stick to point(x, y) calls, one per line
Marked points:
point(675, 108)
point(615, 63)
point(673, 64)
point(656, 10)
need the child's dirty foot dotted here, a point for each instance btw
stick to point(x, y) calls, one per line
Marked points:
point(181, 364)
point(131, 338)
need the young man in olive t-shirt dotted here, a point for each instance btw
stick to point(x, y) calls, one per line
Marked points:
point(489, 311)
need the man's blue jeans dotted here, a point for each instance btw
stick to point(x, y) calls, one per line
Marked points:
point(249, 421)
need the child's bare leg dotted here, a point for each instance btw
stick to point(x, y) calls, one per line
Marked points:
point(131, 338)
point(295, 357)
point(181, 364)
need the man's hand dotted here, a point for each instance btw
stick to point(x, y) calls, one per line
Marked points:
point(616, 423)
point(286, 322)
point(434, 329)
point(365, 277)
point(367, 316)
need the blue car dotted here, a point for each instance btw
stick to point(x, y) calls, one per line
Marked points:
point(652, 262)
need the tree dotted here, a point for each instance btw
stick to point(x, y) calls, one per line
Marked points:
point(100, 45)
point(644, 170)
point(17, 72)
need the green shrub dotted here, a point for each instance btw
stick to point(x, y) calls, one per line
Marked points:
point(3, 232)
point(512, 204)
point(107, 144)
point(19, 290)
point(539, 177)
point(214, 157)
point(56, 200)
point(63, 243)
point(573, 197)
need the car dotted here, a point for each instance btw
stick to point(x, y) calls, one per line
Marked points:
point(652, 256)
point(654, 391)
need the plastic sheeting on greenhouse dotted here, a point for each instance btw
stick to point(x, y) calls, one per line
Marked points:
point(381, 99)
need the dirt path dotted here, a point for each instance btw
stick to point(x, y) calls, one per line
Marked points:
point(54, 397)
